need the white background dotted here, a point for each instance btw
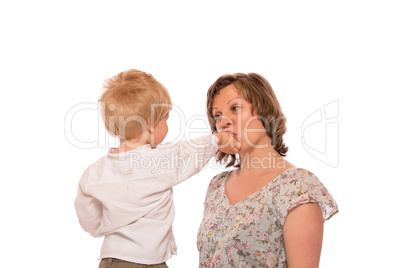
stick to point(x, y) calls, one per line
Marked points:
point(55, 55)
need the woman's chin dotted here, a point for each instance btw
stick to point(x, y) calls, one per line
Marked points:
point(244, 148)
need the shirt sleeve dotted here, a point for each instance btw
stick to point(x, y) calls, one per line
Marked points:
point(89, 211)
point(303, 187)
point(190, 156)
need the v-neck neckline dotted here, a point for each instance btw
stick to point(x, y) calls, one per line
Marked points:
point(252, 194)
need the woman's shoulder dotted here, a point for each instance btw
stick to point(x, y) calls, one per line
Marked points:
point(295, 181)
point(298, 186)
point(220, 178)
point(216, 183)
point(296, 175)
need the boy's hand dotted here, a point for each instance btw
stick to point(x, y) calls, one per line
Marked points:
point(227, 143)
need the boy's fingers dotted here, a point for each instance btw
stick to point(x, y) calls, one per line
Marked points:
point(232, 151)
point(237, 144)
point(229, 144)
point(234, 143)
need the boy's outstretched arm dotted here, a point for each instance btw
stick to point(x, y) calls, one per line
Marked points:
point(192, 155)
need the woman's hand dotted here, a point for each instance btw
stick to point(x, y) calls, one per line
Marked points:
point(227, 143)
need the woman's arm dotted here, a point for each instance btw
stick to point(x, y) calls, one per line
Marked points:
point(302, 233)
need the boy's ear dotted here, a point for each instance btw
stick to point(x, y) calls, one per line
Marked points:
point(150, 127)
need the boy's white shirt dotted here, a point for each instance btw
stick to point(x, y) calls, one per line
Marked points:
point(127, 198)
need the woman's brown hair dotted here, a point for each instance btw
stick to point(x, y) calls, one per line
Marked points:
point(256, 90)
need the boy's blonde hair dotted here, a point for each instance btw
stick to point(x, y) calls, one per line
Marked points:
point(130, 98)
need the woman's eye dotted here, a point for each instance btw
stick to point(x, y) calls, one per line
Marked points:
point(217, 116)
point(236, 107)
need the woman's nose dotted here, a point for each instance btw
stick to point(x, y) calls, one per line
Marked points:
point(226, 122)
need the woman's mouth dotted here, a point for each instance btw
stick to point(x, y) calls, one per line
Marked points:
point(234, 134)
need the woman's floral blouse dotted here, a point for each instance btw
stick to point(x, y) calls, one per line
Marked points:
point(249, 233)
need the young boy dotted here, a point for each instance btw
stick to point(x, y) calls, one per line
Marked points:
point(126, 196)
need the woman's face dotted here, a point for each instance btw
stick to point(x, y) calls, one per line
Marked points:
point(233, 113)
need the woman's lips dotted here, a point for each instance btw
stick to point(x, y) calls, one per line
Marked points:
point(231, 132)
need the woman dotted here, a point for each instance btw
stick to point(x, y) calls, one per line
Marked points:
point(267, 212)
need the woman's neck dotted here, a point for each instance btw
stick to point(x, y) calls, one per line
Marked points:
point(262, 160)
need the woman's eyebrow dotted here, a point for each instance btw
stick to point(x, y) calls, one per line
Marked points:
point(213, 108)
point(233, 99)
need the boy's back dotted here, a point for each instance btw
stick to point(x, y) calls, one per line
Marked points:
point(127, 198)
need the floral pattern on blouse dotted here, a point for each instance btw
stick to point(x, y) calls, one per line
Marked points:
point(249, 233)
